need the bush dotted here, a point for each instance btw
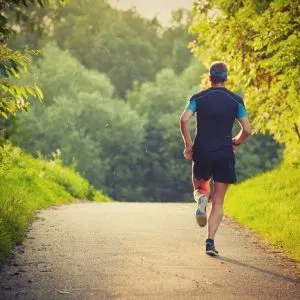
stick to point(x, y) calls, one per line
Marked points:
point(28, 184)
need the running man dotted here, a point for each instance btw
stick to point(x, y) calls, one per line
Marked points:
point(213, 149)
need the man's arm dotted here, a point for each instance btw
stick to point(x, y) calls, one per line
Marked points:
point(185, 132)
point(245, 132)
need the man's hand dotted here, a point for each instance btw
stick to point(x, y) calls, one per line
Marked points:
point(188, 152)
point(246, 131)
point(234, 145)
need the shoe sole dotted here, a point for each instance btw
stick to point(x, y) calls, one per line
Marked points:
point(211, 253)
point(201, 220)
point(201, 216)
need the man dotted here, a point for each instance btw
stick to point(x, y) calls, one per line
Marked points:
point(213, 149)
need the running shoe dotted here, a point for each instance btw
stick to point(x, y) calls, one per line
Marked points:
point(211, 250)
point(201, 216)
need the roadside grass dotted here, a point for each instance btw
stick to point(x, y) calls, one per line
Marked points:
point(27, 185)
point(269, 204)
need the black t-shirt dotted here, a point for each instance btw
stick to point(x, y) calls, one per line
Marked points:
point(217, 108)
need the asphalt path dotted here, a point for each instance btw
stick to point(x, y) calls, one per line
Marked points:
point(141, 251)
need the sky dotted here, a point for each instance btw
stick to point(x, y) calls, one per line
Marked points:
point(160, 8)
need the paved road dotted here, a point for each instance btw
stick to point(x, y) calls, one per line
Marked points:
point(141, 251)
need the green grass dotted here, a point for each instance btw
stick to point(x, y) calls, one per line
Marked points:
point(270, 205)
point(27, 185)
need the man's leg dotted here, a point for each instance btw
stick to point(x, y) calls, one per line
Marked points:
point(215, 216)
point(201, 177)
point(216, 212)
point(201, 187)
point(201, 195)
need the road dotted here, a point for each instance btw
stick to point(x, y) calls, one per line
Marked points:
point(141, 251)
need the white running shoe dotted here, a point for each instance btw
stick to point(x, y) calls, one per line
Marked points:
point(201, 216)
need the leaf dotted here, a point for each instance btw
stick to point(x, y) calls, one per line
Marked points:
point(3, 115)
point(39, 93)
point(43, 3)
point(3, 20)
point(31, 91)
point(13, 73)
point(3, 71)
point(24, 3)
point(63, 2)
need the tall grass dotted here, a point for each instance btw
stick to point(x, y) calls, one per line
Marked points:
point(270, 205)
point(28, 184)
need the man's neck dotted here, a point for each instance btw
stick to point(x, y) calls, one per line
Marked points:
point(218, 85)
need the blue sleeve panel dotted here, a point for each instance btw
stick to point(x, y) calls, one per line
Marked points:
point(192, 105)
point(241, 111)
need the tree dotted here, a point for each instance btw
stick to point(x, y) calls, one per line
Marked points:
point(121, 44)
point(102, 136)
point(173, 49)
point(131, 148)
point(14, 97)
point(263, 60)
point(167, 175)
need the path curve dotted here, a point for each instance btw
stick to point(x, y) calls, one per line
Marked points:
point(141, 251)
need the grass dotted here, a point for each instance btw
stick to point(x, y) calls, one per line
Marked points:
point(269, 204)
point(27, 185)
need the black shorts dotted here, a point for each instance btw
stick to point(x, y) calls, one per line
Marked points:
point(218, 165)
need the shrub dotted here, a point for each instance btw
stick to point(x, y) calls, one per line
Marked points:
point(28, 184)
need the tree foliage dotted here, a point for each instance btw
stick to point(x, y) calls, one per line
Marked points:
point(260, 40)
point(100, 135)
point(131, 148)
point(13, 96)
point(122, 44)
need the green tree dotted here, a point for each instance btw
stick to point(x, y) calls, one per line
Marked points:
point(260, 40)
point(102, 136)
point(13, 96)
point(167, 175)
point(173, 49)
point(123, 44)
point(130, 149)
point(58, 73)
point(119, 43)
point(258, 154)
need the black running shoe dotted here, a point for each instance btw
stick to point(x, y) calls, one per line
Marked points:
point(211, 250)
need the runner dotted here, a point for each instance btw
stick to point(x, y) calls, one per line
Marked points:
point(213, 149)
